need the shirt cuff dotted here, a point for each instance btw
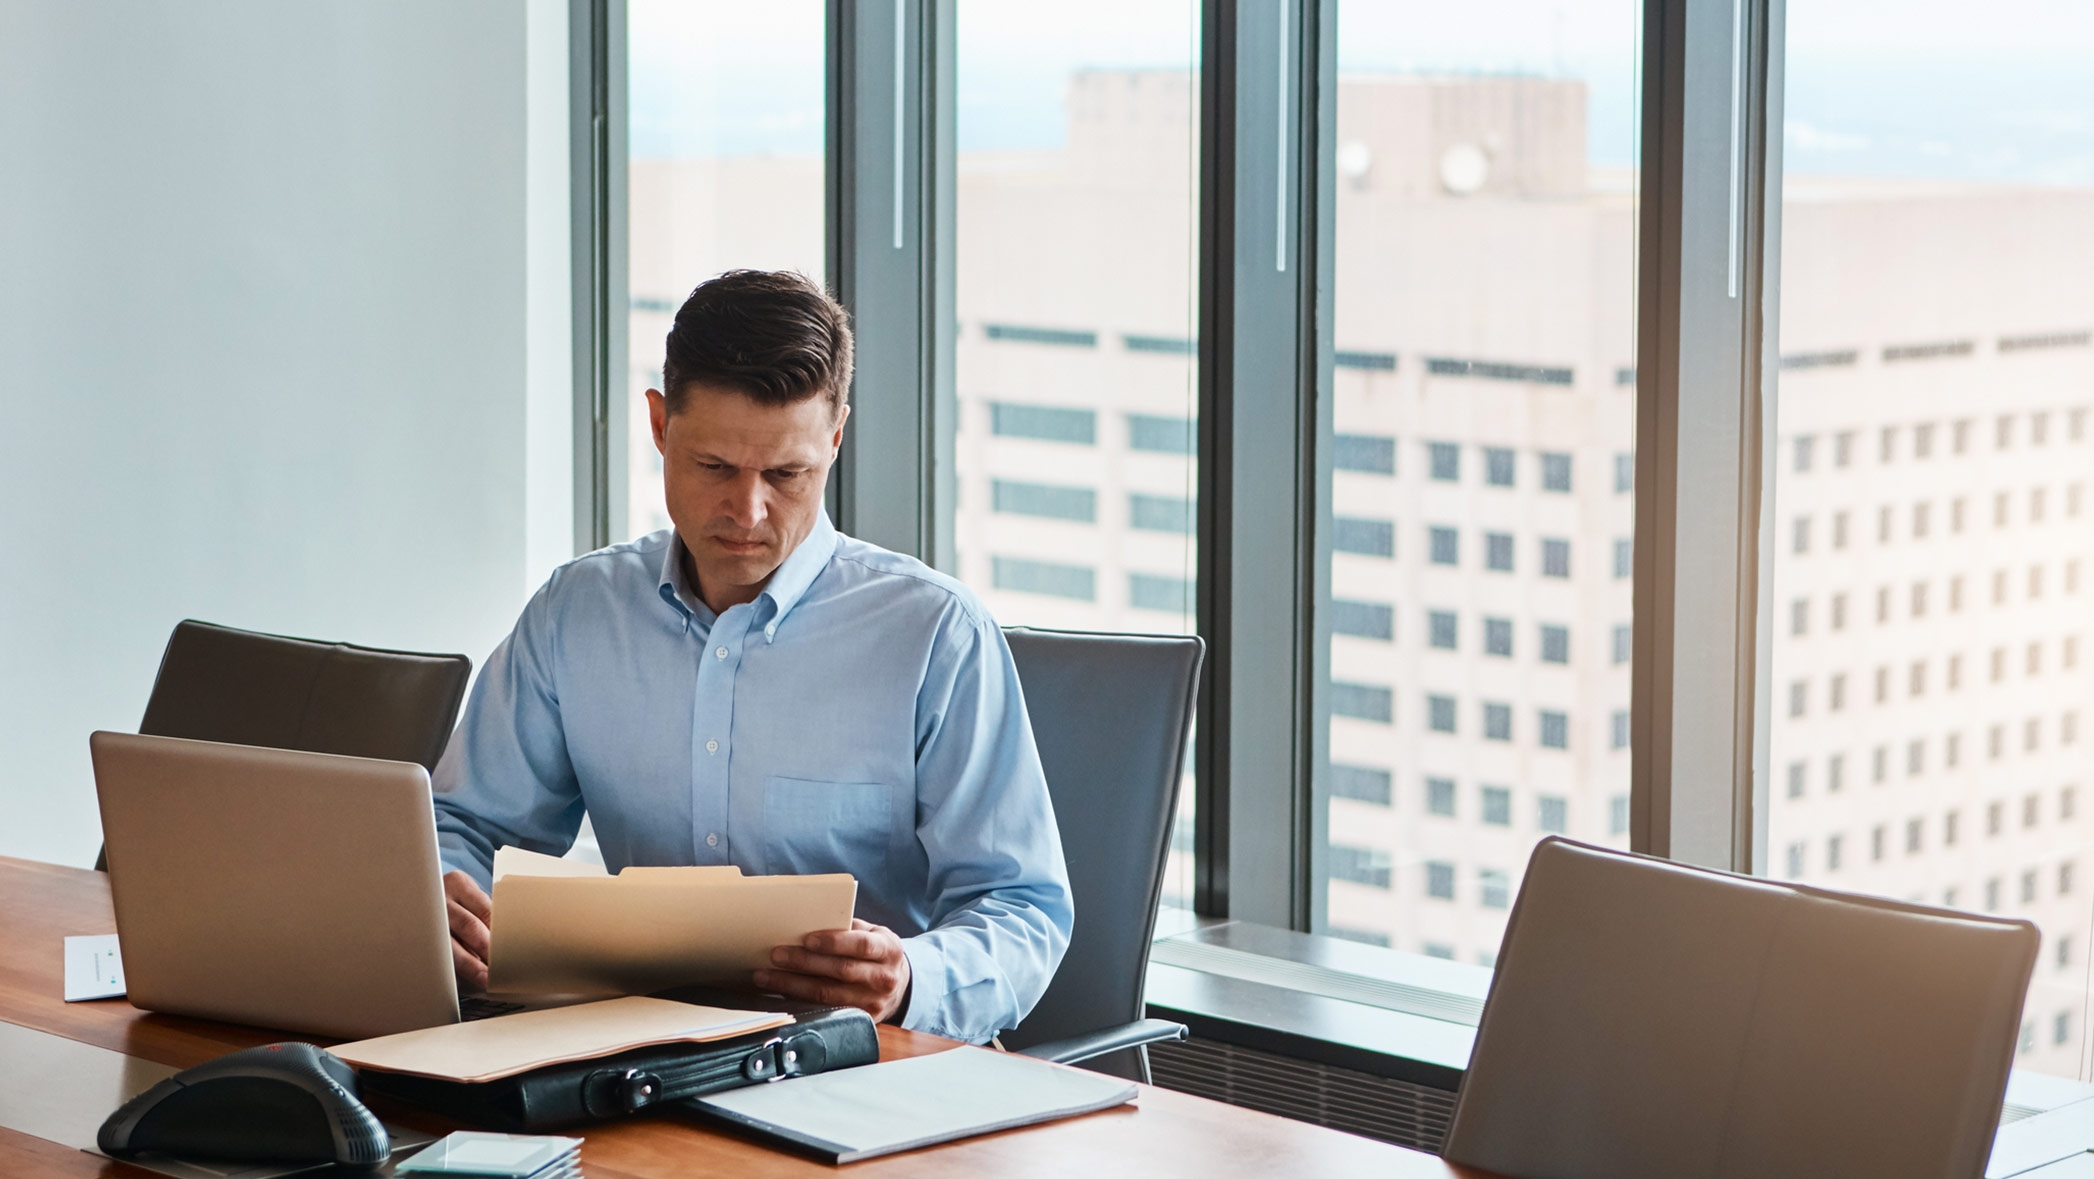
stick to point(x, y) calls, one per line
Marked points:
point(926, 984)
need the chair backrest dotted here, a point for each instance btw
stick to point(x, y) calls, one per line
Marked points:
point(1111, 715)
point(1652, 1019)
point(244, 688)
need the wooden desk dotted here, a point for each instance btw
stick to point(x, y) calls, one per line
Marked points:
point(1165, 1133)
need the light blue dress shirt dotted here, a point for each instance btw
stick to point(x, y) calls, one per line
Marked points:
point(862, 715)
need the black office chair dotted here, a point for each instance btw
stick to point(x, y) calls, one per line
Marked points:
point(245, 688)
point(1111, 715)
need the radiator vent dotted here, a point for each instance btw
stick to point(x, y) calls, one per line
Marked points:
point(1360, 1103)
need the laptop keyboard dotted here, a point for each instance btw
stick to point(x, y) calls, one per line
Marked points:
point(480, 1007)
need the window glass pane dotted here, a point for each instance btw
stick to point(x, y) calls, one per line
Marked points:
point(1494, 130)
point(1937, 326)
point(1075, 254)
point(724, 171)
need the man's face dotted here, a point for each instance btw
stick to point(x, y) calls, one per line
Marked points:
point(743, 481)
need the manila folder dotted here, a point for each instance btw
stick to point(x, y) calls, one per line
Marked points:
point(488, 1049)
point(648, 929)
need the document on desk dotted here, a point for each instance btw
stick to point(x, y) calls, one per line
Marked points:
point(876, 1109)
point(561, 927)
point(490, 1049)
point(94, 968)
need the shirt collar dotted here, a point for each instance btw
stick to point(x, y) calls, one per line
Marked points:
point(788, 583)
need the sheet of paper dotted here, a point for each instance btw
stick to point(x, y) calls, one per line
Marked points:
point(488, 1049)
point(94, 968)
point(516, 860)
point(650, 928)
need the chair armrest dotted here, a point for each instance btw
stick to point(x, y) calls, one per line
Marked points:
point(1112, 1039)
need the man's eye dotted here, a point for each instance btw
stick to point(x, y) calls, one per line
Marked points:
point(711, 466)
point(784, 476)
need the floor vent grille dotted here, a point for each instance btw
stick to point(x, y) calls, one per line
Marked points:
point(1360, 1103)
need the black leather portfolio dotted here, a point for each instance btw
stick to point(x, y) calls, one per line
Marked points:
point(819, 1040)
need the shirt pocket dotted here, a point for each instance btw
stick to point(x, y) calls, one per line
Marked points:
point(811, 826)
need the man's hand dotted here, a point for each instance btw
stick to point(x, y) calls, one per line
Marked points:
point(861, 967)
point(469, 911)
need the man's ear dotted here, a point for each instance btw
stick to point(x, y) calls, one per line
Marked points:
point(836, 441)
point(658, 419)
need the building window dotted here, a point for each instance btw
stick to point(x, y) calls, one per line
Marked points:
point(1160, 513)
point(1150, 591)
point(1046, 500)
point(1839, 611)
point(1439, 882)
point(1045, 422)
point(1498, 463)
point(1554, 814)
point(1799, 535)
point(1172, 435)
point(1803, 447)
point(1833, 847)
point(1439, 713)
point(1624, 558)
point(1619, 723)
point(1366, 620)
point(1948, 828)
point(1438, 949)
point(1920, 514)
point(1799, 617)
point(2028, 887)
point(1914, 830)
point(1445, 461)
point(1883, 524)
point(1618, 815)
point(1496, 888)
point(1556, 558)
point(1360, 865)
point(1055, 580)
point(1362, 702)
point(1995, 818)
point(1624, 473)
point(1839, 530)
point(1497, 722)
point(1369, 538)
point(1555, 729)
point(1622, 643)
point(1795, 858)
point(1441, 629)
point(1915, 758)
point(1497, 552)
point(1835, 773)
point(1887, 450)
point(2031, 810)
point(1879, 764)
point(1497, 637)
point(1876, 834)
point(2065, 879)
point(1923, 440)
point(1446, 546)
point(1497, 806)
point(1797, 771)
point(2061, 1028)
point(1369, 454)
point(1555, 644)
point(1360, 783)
point(1439, 796)
point(1555, 471)
point(1836, 692)
point(1799, 697)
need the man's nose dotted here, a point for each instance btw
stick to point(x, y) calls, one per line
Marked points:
point(745, 500)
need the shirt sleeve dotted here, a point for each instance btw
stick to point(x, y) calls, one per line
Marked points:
point(1001, 912)
point(505, 777)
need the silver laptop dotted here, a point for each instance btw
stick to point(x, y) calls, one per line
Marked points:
point(272, 887)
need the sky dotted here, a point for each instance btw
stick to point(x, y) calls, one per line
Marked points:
point(1875, 87)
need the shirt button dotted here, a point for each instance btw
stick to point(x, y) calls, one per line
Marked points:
point(712, 840)
point(712, 747)
point(771, 631)
point(720, 653)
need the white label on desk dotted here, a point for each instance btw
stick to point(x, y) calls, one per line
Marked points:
point(94, 968)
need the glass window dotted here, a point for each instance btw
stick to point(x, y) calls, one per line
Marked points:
point(1369, 454)
point(1366, 620)
point(1360, 865)
point(1441, 628)
point(1045, 422)
point(1160, 513)
point(723, 170)
point(1498, 463)
point(1439, 796)
point(1160, 592)
point(1157, 434)
point(1497, 636)
point(1369, 538)
point(1446, 460)
point(1922, 132)
point(1046, 500)
point(1439, 884)
point(1362, 702)
point(1493, 888)
point(1360, 783)
point(1555, 644)
point(1497, 806)
point(1555, 471)
point(1053, 579)
point(1467, 133)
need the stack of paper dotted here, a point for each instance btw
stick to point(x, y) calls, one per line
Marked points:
point(506, 1156)
point(561, 927)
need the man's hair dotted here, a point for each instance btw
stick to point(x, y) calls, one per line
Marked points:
point(773, 336)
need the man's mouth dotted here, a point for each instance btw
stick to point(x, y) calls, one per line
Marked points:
point(738, 546)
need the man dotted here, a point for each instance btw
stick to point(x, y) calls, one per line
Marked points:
point(752, 687)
